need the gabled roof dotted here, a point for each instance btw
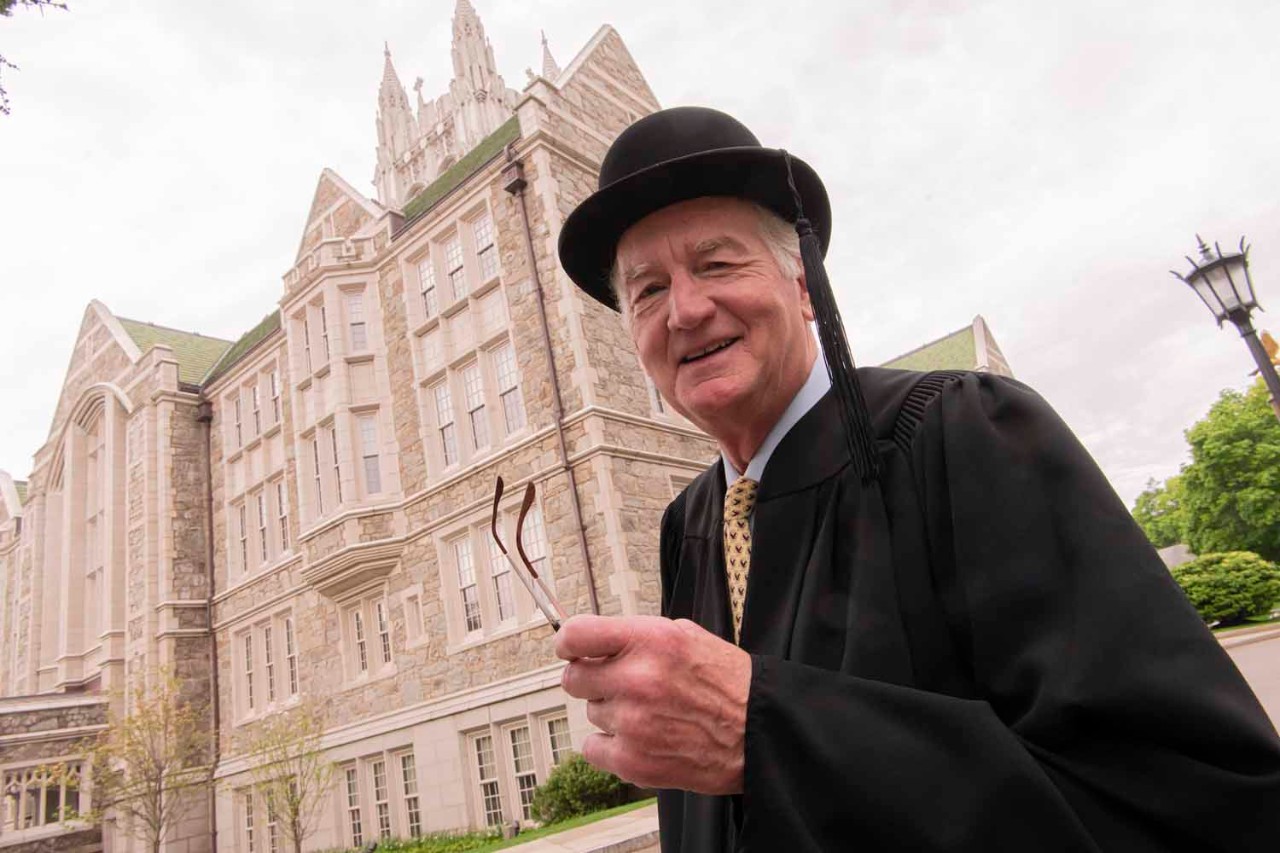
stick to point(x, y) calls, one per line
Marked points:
point(970, 348)
point(243, 346)
point(955, 351)
point(195, 353)
point(329, 187)
point(592, 45)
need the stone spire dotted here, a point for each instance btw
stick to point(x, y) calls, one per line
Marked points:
point(550, 70)
point(464, 13)
point(480, 96)
point(395, 116)
point(414, 149)
point(397, 128)
point(472, 56)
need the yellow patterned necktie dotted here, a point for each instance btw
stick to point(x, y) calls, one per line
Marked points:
point(738, 503)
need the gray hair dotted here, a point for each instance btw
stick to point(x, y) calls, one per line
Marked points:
point(779, 237)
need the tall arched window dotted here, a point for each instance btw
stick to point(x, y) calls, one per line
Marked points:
point(94, 531)
point(82, 576)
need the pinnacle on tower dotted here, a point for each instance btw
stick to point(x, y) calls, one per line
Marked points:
point(397, 128)
point(413, 145)
point(550, 70)
point(475, 74)
point(391, 92)
point(463, 14)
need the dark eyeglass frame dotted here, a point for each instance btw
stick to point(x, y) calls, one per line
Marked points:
point(535, 583)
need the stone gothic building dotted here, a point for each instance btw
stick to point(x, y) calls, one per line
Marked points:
point(304, 512)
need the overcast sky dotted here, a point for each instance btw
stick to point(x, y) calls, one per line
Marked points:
point(1041, 164)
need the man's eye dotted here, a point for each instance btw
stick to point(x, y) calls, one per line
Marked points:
point(649, 290)
point(716, 266)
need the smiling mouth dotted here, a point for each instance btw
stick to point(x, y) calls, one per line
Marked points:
point(707, 351)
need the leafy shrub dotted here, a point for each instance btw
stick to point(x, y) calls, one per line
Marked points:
point(437, 842)
point(1229, 587)
point(576, 788)
point(440, 842)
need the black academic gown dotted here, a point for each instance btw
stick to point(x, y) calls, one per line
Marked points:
point(980, 653)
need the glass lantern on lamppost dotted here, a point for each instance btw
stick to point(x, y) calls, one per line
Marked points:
point(1224, 285)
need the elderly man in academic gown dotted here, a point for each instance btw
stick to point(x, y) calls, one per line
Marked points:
point(903, 611)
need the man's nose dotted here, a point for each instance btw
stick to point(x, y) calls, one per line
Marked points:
point(689, 303)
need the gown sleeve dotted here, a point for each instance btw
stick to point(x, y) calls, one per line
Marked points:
point(671, 534)
point(1106, 717)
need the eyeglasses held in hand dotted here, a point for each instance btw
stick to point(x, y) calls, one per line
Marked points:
point(534, 582)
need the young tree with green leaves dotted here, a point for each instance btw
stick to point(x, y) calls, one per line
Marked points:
point(1158, 510)
point(152, 764)
point(1228, 497)
point(290, 771)
point(1231, 490)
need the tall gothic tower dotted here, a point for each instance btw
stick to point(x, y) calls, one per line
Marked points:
point(478, 90)
point(413, 151)
point(397, 130)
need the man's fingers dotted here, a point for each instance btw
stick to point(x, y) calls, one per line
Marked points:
point(602, 751)
point(589, 636)
point(590, 679)
point(599, 714)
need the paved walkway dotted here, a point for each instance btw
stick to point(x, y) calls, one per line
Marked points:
point(633, 832)
point(1257, 654)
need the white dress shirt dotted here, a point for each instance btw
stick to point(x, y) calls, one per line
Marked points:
point(813, 389)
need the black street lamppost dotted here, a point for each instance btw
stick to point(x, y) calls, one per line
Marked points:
point(1224, 285)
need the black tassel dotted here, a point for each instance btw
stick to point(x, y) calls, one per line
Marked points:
point(835, 346)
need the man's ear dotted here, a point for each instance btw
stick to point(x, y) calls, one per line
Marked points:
point(806, 307)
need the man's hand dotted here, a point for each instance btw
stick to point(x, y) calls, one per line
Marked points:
point(670, 697)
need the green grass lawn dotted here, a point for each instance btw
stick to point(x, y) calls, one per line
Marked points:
point(483, 842)
point(1251, 622)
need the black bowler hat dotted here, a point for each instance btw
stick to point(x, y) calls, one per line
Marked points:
point(671, 156)
point(690, 152)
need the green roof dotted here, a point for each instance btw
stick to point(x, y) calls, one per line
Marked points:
point(956, 351)
point(21, 486)
point(195, 353)
point(241, 348)
point(488, 148)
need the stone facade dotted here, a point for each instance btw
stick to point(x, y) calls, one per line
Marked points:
point(304, 514)
point(105, 570)
point(37, 808)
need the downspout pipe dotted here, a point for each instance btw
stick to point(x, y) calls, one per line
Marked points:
point(513, 181)
point(204, 415)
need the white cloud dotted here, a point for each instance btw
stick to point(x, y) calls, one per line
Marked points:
point(1042, 165)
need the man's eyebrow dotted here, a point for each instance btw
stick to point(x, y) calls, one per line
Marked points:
point(634, 272)
point(702, 247)
point(723, 241)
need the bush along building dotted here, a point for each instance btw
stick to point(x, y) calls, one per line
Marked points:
point(302, 515)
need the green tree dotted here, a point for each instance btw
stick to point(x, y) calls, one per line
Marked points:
point(151, 765)
point(1158, 510)
point(1229, 588)
point(1230, 498)
point(290, 770)
point(6, 10)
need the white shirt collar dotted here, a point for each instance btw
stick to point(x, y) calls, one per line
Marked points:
point(813, 389)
